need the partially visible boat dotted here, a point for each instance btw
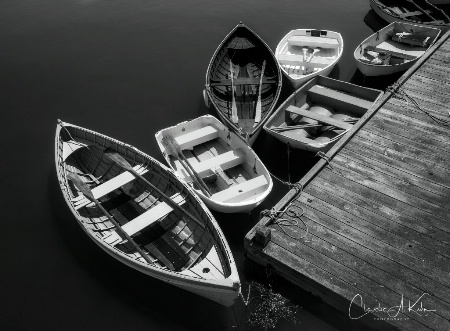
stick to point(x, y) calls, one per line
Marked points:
point(394, 48)
point(319, 113)
point(243, 82)
point(305, 53)
point(411, 11)
point(145, 217)
point(234, 175)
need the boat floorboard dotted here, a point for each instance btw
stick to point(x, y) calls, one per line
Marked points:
point(373, 219)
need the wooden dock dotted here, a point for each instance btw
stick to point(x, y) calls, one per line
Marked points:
point(373, 217)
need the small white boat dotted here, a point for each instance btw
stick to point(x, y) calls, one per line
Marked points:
point(411, 11)
point(145, 217)
point(319, 113)
point(235, 178)
point(394, 48)
point(305, 53)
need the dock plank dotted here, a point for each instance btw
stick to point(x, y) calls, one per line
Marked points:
point(341, 264)
point(374, 211)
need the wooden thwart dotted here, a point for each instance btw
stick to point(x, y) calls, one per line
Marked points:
point(197, 137)
point(291, 59)
point(320, 118)
point(224, 161)
point(313, 42)
point(146, 219)
point(241, 191)
point(392, 53)
point(243, 81)
point(110, 185)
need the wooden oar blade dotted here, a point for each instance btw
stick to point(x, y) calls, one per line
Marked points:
point(259, 103)
point(168, 143)
point(118, 159)
point(80, 185)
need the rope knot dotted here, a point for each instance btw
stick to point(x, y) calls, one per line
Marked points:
point(322, 155)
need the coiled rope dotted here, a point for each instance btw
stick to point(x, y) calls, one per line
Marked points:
point(402, 95)
point(292, 221)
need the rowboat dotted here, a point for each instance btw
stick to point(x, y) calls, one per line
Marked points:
point(224, 171)
point(243, 82)
point(319, 113)
point(411, 11)
point(305, 53)
point(139, 212)
point(394, 48)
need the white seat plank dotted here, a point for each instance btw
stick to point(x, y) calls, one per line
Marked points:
point(110, 185)
point(324, 42)
point(241, 191)
point(224, 161)
point(291, 59)
point(197, 137)
point(146, 219)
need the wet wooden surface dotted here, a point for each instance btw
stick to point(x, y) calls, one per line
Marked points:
point(373, 224)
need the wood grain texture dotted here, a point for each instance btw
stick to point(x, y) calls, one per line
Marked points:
point(377, 215)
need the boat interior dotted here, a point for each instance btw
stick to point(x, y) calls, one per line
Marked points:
point(397, 43)
point(231, 174)
point(319, 114)
point(415, 11)
point(235, 80)
point(308, 51)
point(172, 240)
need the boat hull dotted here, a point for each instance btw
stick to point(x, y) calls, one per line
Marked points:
point(246, 165)
point(223, 291)
point(298, 73)
point(243, 55)
point(382, 40)
point(390, 17)
point(332, 101)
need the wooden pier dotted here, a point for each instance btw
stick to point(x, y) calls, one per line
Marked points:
point(369, 229)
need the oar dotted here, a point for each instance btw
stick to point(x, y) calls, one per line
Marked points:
point(422, 10)
point(172, 148)
point(312, 55)
point(250, 75)
point(120, 161)
point(234, 116)
point(78, 182)
point(305, 49)
point(305, 126)
point(258, 104)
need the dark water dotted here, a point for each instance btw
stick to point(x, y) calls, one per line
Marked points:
point(125, 69)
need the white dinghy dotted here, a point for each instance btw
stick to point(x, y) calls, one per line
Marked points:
point(305, 53)
point(225, 172)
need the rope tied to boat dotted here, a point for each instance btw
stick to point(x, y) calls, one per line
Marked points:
point(402, 95)
point(322, 155)
point(297, 186)
point(294, 217)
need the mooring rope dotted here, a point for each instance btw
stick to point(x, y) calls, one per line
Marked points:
point(322, 155)
point(292, 221)
point(402, 95)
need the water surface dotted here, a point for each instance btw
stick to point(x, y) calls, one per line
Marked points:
point(126, 69)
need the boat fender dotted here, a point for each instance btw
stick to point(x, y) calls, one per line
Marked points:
point(206, 98)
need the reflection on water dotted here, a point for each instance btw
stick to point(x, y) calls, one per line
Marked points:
point(127, 69)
